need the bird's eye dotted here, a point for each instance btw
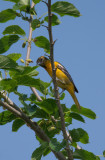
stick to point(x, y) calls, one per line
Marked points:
point(41, 60)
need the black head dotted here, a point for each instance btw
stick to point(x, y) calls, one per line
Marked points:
point(41, 61)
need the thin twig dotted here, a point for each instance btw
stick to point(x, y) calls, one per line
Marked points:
point(70, 156)
point(36, 94)
point(30, 35)
point(44, 26)
point(70, 139)
point(29, 51)
point(45, 3)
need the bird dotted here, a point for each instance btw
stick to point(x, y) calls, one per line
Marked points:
point(63, 78)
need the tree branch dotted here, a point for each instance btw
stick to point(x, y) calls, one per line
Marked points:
point(33, 125)
point(30, 35)
point(45, 3)
point(36, 94)
point(9, 101)
point(70, 139)
point(70, 156)
point(29, 51)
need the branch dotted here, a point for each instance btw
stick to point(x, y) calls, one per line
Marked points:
point(45, 3)
point(36, 94)
point(9, 101)
point(70, 156)
point(70, 139)
point(33, 125)
point(30, 35)
point(29, 51)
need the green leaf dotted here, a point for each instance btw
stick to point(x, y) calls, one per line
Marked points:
point(84, 111)
point(8, 85)
point(30, 109)
point(24, 70)
point(7, 63)
point(40, 113)
point(58, 124)
point(26, 80)
point(51, 93)
point(79, 135)
point(48, 105)
point(7, 15)
point(64, 152)
point(36, 1)
point(14, 29)
point(57, 146)
point(84, 155)
point(7, 41)
point(24, 2)
point(15, 1)
point(42, 42)
point(37, 154)
point(32, 98)
point(22, 97)
point(17, 124)
point(74, 144)
point(68, 119)
point(65, 109)
point(27, 70)
point(1, 77)
point(62, 96)
point(104, 153)
point(35, 24)
point(6, 117)
point(55, 20)
point(46, 152)
point(77, 117)
point(48, 127)
point(65, 8)
point(14, 56)
point(23, 5)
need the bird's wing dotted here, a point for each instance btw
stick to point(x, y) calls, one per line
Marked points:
point(63, 69)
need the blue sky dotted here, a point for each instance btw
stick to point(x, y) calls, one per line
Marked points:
point(80, 47)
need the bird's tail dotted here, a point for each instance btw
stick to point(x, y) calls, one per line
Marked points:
point(71, 91)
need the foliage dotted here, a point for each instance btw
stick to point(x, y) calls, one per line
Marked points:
point(20, 75)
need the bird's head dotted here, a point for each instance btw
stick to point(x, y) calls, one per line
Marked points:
point(41, 61)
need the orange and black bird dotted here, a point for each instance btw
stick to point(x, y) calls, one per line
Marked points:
point(63, 78)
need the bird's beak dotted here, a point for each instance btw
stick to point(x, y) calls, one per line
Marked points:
point(38, 63)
